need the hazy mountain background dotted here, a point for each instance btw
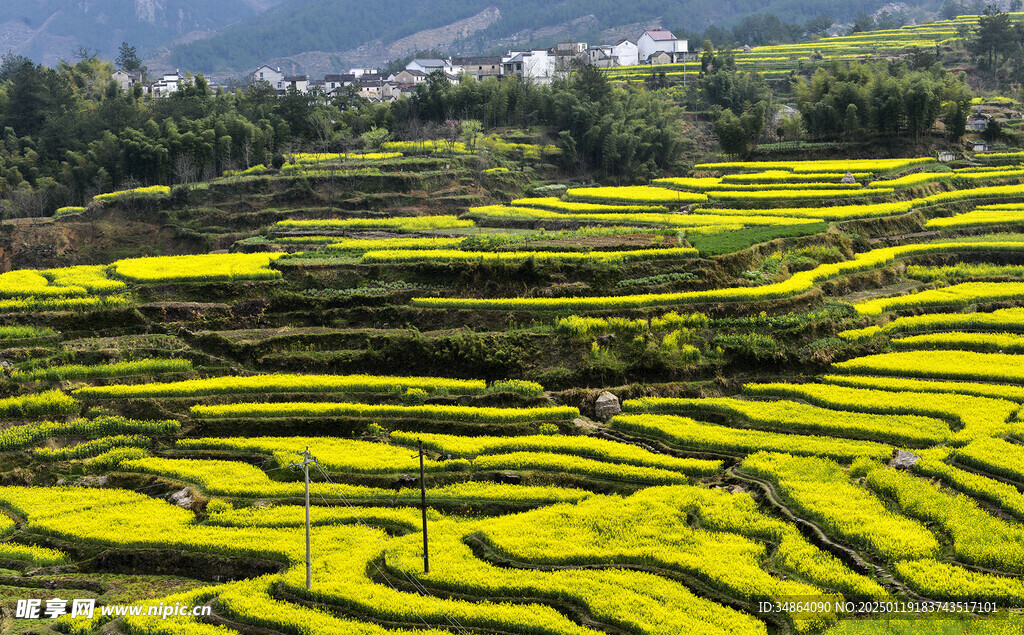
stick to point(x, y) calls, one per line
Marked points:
point(47, 30)
point(229, 37)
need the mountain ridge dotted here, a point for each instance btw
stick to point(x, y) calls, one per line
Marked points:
point(230, 37)
point(50, 30)
point(346, 32)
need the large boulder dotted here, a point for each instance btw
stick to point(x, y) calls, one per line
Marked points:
point(903, 460)
point(183, 498)
point(606, 406)
point(584, 426)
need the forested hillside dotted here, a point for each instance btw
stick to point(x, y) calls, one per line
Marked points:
point(333, 26)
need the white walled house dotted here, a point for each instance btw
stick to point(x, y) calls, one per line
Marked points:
point(337, 81)
point(298, 82)
point(569, 48)
point(272, 76)
point(659, 40)
point(601, 57)
point(626, 53)
point(538, 65)
point(165, 85)
point(427, 66)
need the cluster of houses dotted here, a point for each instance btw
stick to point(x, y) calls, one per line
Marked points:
point(657, 46)
point(167, 84)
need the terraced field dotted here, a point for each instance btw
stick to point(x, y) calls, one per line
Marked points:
point(781, 60)
point(775, 337)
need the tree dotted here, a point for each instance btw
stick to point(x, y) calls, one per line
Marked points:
point(956, 118)
point(887, 20)
point(656, 80)
point(888, 99)
point(374, 138)
point(128, 60)
point(85, 53)
point(294, 109)
point(887, 106)
point(321, 125)
point(819, 25)
point(790, 129)
point(10, 64)
point(851, 122)
point(992, 131)
point(994, 36)
point(730, 133)
point(862, 22)
point(707, 58)
point(36, 93)
point(951, 9)
point(591, 82)
point(922, 103)
point(472, 130)
point(737, 134)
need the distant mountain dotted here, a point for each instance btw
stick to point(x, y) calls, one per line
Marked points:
point(229, 37)
point(318, 35)
point(47, 30)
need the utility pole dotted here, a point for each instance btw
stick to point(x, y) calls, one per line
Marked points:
point(423, 508)
point(307, 460)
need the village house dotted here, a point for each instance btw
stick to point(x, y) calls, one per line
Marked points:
point(569, 48)
point(601, 57)
point(377, 86)
point(537, 65)
point(335, 81)
point(427, 66)
point(479, 68)
point(413, 77)
point(626, 53)
point(370, 91)
point(272, 76)
point(127, 79)
point(298, 82)
point(661, 57)
point(977, 122)
point(652, 42)
point(565, 55)
point(164, 86)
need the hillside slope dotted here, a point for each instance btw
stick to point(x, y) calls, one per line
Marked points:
point(47, 30)
point(348, 31)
